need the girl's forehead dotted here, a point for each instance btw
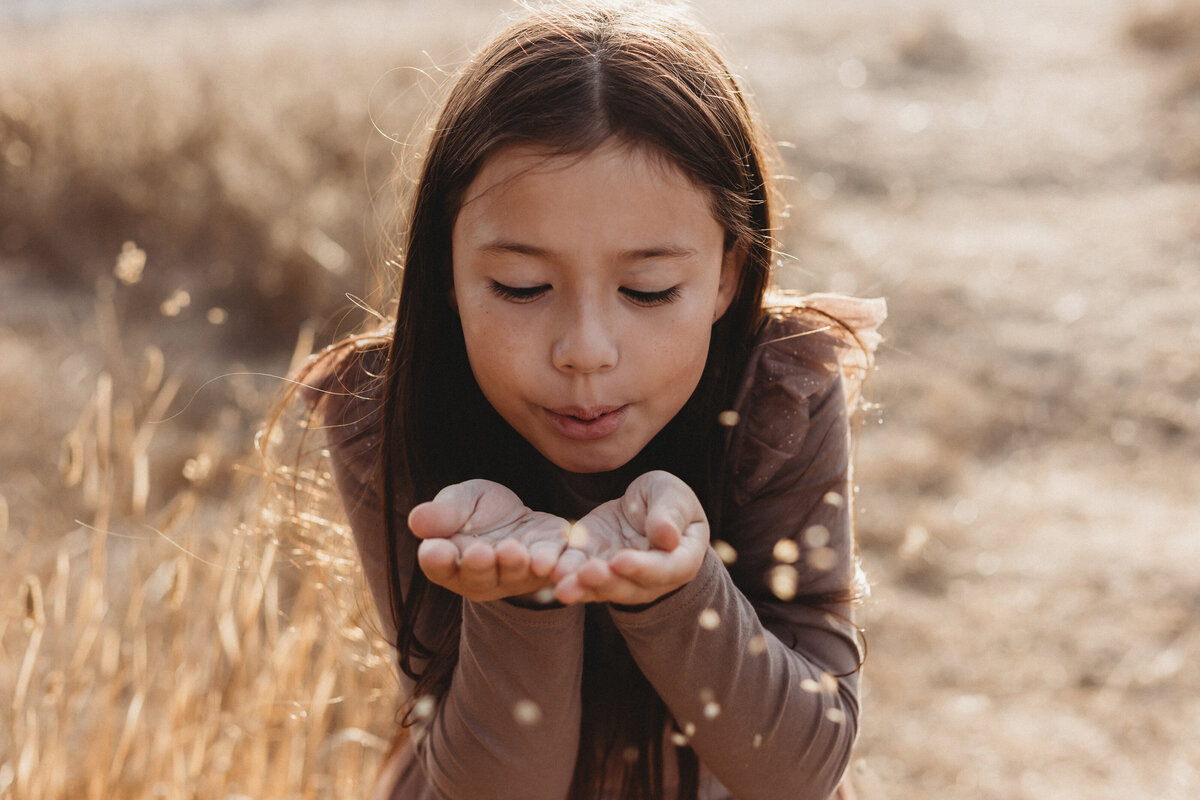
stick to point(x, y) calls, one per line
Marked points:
point(616, 156)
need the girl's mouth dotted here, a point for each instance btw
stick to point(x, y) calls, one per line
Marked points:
point(586, 423)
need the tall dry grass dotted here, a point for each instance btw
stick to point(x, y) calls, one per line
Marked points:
point(192, 648)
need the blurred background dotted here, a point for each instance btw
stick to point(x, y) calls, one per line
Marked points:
point(191, 192)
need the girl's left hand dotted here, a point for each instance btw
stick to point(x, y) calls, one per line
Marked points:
point(637, 548)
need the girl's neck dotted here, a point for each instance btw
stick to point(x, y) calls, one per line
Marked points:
point(583, 491)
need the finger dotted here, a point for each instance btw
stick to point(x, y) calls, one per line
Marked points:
point(543, 557)
point(448, 512)
point(569, 591)
point(663, 525)
point(594, 574)
point(512, 562)
point(439, 560)
point(658, 569)
point(477, 569)
point(570, 561)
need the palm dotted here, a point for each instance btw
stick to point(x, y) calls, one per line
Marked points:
point(482, 542)
point(637, 548)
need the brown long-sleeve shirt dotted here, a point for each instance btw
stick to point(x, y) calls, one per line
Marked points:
point(744, 668)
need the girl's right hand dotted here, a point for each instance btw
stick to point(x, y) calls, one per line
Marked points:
point(482, 542)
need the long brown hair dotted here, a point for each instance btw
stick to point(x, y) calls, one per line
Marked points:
point(565, 78)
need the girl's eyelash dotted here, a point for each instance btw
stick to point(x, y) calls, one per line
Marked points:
point(521, 294)
point(652, 298)
point(525, 294)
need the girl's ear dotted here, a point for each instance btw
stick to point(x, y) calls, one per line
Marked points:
point(731, 278)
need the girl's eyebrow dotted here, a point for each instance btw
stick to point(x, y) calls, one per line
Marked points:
point(667, 251)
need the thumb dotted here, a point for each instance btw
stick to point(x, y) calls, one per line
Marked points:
point(448, 513)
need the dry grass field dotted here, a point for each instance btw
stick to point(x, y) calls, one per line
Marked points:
point(1021, 180)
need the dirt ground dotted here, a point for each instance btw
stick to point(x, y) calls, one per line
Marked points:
point(1021, 181)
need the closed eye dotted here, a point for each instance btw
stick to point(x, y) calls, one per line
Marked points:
point(652, 298)
point(519, 294)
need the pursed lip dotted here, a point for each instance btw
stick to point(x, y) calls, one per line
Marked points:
point(586, 422)
point(585, 413)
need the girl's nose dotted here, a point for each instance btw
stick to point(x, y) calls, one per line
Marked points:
point(585, 345)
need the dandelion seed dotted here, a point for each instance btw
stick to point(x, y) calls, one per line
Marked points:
point(678, 739)
point(822, 558)
point(816, 536)
point(834, 499)
point(757, 743)
point(729, 418)
point(527, 712)
point(786, 551)
point(783, 580)
point(829, 683)
point(179, 300)
point(199, 469)
point(725, 551)
point(711, 710)
point(689, 729)
point(545, 595)
point(835, 715)
point(757, 645)
point(707, 695)
point(131, 261)
point(578, 536)
point(423, 708)
point(217, 316)
point(810, 686)
point(709, 619)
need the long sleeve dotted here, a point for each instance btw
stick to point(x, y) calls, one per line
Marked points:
point(745, 657)
point(509, 725)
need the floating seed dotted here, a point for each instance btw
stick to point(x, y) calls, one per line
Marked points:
point(834, 499)
point(711, 710)
point(678, 739)
point(179, 300)
point(423, 708)
point(578, 536)
point(786, 551)
point(131, 261)
point(816, 536)
point(709, 619)
point(729, 418)
point(757, 743)
point(527, 712)
point(810, 686)
point(725, 551)
point(822, 558)
point(835, 715)
point(756, 646)
point(784, 580)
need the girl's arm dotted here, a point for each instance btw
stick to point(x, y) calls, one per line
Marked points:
point(508, 726)
point(752, 686)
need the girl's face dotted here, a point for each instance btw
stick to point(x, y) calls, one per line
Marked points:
point(587, 286)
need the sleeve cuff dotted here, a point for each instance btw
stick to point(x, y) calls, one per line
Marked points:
point(692, 597)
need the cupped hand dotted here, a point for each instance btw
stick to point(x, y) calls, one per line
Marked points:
point(636, 548)
point(482, 542)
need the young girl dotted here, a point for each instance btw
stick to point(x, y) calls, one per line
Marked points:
point(599, 485)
